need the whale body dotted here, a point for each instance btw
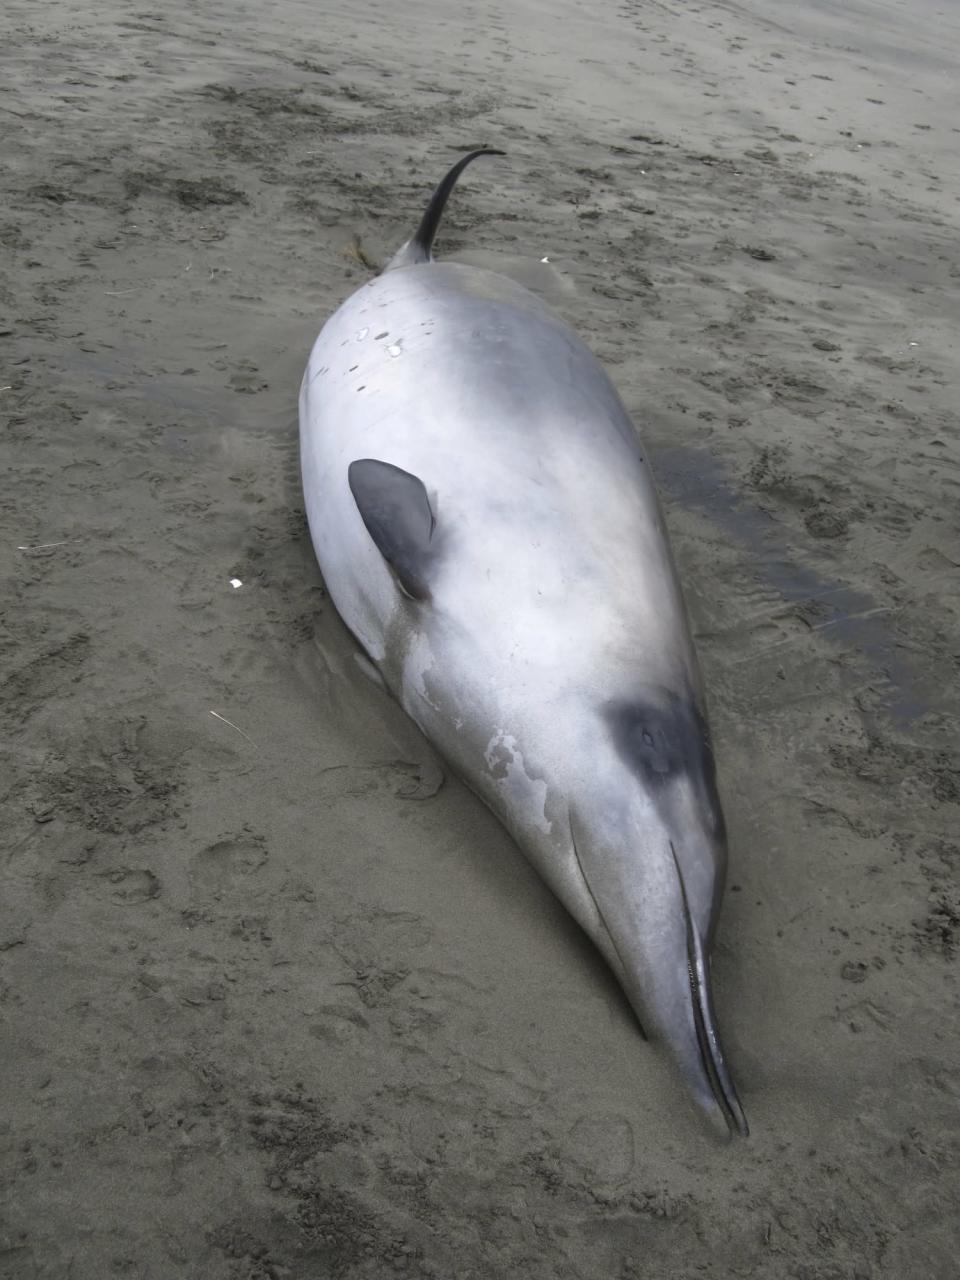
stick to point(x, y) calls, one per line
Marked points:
point(487, 526)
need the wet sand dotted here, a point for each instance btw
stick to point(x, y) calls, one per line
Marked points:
point(272, 1004)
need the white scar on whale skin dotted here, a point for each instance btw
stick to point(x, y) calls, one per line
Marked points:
point(525, 794)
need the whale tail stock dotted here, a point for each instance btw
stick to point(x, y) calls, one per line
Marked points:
point(419, 248)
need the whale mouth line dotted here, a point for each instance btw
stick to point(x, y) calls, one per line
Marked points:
point(705, 1023)
point(600, 915)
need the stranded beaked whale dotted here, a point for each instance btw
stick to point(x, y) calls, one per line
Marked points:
point(488, 529)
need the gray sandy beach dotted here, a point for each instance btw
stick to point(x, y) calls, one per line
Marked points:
point(272, 1003)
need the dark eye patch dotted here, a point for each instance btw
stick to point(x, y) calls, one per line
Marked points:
point(664, 739)
point(647, 744)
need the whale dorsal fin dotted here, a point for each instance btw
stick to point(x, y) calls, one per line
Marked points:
point(419, 248)
point(394, 506)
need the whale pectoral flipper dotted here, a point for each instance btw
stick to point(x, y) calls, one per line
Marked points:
point(394, 506)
